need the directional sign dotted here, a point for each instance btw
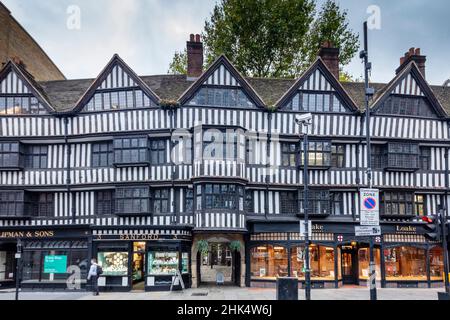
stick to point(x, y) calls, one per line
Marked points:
point(367, 231)
point(370, 209)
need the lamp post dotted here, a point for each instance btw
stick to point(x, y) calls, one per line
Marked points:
point(18, 266)
point(304, 121)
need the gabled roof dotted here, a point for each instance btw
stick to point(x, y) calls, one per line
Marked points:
point(238, 79)
point(33, 87)
point(333, 82)
point(100, 81)
point(421, 89)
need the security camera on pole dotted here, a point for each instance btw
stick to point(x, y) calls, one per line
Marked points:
point(304, 121)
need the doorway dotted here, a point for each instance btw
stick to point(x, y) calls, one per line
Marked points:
point(7, 266)
point(349, 265)
point(138, 266)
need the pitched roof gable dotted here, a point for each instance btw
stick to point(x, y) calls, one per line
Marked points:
point(14, 80)
point(222, 73)
point(117, 74)
point(318, 77)
point(411, 82)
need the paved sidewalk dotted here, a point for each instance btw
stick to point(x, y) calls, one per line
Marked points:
point(230, 293)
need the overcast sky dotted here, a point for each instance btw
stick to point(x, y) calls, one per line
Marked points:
point(145, 33)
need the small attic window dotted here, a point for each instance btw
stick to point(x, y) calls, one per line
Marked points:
point(21, 105)
point(221, 97)
point(118, 100)
point(315, 102)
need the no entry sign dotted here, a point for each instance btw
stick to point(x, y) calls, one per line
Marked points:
point(370, 210)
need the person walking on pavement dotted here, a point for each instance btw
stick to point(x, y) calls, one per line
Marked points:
point(94, 272)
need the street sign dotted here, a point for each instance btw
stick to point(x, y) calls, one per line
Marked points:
point(370, 208)
point(367, 231)
point(303, 228)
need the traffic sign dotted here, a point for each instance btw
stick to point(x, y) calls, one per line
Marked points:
point(370, 209)
point(367, 231)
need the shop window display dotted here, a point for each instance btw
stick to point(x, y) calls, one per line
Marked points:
point(298, 262)
point(436, 264)
point(162, 263)
point(113, 263)
point(405, 263)
point(322, 263)
point(269, 262)
point(364, 263)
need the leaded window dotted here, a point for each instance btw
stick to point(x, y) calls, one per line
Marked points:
point(11, 203)
point(221, 145)
point(104, 202)
point(10, 156)
point(288, 202)
point(403, 156)
point(102, 154)
point(221, 97)
point(289, 154)
point(189, 200)
point(221, 196)
point(407, 106)
point(378, 156)
point(161, 202)
point(124, 99)
point(337, 203)
point(425, 158)
point(338, 155)
point(42, 204)
point(158, 152)
point(420, 205)
point(19, 105)
point(397, 203)
point(131, 151)
point(315, 102)
point(318, 202)
point(319, 154)
point(36, 157)
point(132, 200)
point(249, 202)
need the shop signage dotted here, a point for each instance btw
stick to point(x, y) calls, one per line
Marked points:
point(406, 229)
point(26, 234)
point(142, 237)
point(370, 210)
point(367, 231)
point(55, 264)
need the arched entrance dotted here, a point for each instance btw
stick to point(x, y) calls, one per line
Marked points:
point(222, 260)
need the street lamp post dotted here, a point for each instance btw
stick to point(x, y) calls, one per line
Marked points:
point(18, 266)
point(304, 121)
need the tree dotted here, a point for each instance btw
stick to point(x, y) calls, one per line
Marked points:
point(272, 38)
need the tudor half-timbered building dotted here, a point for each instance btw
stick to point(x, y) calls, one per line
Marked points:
point(203, 174)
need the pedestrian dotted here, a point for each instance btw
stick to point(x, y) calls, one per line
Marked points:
point(94, 272)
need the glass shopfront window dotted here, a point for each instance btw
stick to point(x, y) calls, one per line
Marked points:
point(322, 263)
point(162, 263)
point(269, 262)
point(405, 263)
point(364, 263)
point(436, 264)
point(113, 263)
point(298, 262)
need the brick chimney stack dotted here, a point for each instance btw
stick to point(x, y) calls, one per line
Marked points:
point(194, 57)
point(413, 55)
point(330, 57)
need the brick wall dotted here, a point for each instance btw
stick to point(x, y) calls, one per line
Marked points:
point(16, 42)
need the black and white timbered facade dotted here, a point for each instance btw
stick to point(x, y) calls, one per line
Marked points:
point(141, 172)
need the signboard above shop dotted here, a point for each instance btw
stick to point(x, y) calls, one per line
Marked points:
point(370, 207)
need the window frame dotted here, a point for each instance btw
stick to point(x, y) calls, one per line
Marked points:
point(104, 206)
point(338, 155)
point(401, 105)
point(158, 147)
point(158, 197)
point(122, 196)
point(6, 203)
point(313, 153)
point(287, 153)
point(18, 153)
point(425, 159)
point(289, 204)
point(139, 149)
point(31, 153)
point(403, 159)
point(392, 199)
point(99, 153)
point(317, 199)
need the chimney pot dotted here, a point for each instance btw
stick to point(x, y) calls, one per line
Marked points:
point(417, 52)
point(330, 57)
point(194, 56)
point(414, 54)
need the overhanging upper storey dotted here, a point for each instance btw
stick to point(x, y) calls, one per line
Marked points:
point(222, 86)
point(20, 94)
point(408, 94)
point(117, 87)
point(317, 91)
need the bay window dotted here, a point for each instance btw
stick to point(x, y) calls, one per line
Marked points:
point(403, 156)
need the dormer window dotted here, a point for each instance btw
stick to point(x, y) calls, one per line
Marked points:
point(221, 97)
point(315, 102)
point(407, 106)
point(21, 105)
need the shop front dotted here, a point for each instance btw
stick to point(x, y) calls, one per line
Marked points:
point(143, 260)
point(51, 259)
point(403, 257)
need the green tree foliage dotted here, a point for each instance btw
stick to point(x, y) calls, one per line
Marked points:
point(272, 38)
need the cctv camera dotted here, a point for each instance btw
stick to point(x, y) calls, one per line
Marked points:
point(303, 118)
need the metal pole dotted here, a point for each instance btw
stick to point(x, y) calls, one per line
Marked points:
point(306, 210)
point(367, 67)
point(18, 262)
point(444, 247)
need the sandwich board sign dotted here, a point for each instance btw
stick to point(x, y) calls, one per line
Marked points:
point(370, 207)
